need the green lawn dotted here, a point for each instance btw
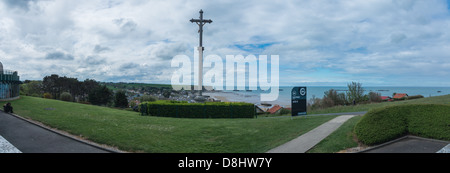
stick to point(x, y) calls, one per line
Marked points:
point(344, 136)
point(131, 132)
point(366, 107)
point(340, 139)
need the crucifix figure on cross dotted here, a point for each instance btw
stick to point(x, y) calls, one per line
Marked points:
point(200, 22)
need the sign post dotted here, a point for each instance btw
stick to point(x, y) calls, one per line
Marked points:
point(298, 101)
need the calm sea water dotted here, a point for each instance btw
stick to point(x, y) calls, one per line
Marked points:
point(284, 97)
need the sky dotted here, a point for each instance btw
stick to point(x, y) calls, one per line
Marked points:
point(319, 43)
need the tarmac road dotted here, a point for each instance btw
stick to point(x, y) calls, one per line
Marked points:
point(410, 144)
point(30, 138)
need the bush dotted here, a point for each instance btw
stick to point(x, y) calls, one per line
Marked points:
point(415, 97)
point(374, 97)
point(47, 95)
point(147, 98)
point(337, 98)
point(385, 124)
point(285, 111)
point(65, 96)
point(178, 109)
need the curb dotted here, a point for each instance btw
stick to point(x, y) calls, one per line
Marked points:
point(68, 135)
point(399, 139)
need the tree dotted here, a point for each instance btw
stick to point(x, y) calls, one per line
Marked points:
point(50, 85)
point(32, 88)
point(355, 92)
point(100, 95)
point(120, 99)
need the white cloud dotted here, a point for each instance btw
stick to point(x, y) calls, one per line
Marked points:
point(355, 39)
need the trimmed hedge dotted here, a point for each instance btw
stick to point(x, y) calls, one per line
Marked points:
point(178, 109)
point(385, 124)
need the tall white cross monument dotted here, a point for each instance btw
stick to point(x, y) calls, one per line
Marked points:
point(200, 22)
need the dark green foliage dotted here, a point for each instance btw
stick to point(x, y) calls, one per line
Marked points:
point(176, 109)
point(56, 85)
point(415, 97)
point(120, 99)
point(101, 95)
point(384, 124)
point(285, 111)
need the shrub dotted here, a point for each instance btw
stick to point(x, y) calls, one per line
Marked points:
point(374, 97)
point(65, 96)
point(326, 102)
point(285, 111)
point(337, 98)
point(384, 124)
point(179, 109)
point(47, 95)
point(399, 99)
point(147, 98)
point(415, 97)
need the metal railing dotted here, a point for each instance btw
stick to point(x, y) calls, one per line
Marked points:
point(9, 75)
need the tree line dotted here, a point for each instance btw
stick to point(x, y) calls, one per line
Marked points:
point(354, 95)
point(70, 89)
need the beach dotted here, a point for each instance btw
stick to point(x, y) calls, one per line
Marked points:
point(248, 97)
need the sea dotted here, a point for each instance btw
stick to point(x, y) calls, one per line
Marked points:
point(284, 97)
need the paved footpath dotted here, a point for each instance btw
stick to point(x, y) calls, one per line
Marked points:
point(308, 140)
point(17, 135)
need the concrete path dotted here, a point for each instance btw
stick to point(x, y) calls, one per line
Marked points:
point(18, 135)
point(308, 140)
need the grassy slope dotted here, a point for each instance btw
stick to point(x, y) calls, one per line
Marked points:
point(366, 107)
point(340, 139)
point(343, 137)
point(129, 131)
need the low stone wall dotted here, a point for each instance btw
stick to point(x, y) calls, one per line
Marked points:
point(9, 99)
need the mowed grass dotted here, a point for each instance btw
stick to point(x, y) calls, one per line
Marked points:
point(341, 139)
point(345, 137)
point(129, 131)
point(366, 107)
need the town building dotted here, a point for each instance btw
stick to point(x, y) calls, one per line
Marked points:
point(9, 84)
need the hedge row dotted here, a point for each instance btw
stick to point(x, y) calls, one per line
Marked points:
point(385, 124)
point(197, 110)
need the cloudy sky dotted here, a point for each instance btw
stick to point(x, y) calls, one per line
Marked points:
point(319, 42)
